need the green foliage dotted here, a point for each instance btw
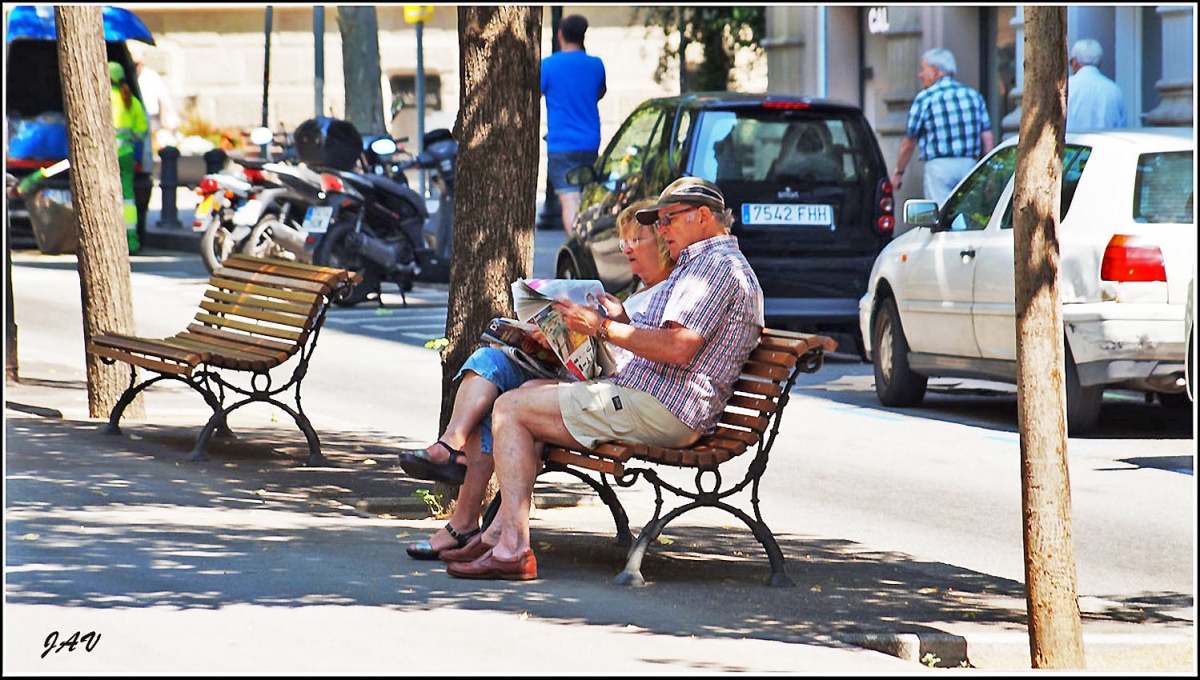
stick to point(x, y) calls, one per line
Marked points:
point(721, 30)
point(434, 501)
point(930, 659)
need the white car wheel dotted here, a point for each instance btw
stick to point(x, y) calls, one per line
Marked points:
point(895, 383)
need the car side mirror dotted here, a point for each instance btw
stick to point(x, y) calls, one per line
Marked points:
point(581, 176)
point(920, 213)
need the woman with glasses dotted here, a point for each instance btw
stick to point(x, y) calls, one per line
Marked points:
point(462, 455)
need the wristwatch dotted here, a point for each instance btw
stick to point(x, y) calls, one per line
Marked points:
point(602, 331)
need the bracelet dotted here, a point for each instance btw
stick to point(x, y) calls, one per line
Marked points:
point(899, 171)
point(602, 331)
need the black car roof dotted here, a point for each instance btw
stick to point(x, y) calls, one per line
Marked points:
point(702, 100)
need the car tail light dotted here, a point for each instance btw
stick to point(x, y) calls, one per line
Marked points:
point(1130, 259)
point(885, 207)
point(209, 185)
point(786, 105)
point(332, 183)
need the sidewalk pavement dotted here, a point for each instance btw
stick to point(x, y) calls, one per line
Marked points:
point(706, 609)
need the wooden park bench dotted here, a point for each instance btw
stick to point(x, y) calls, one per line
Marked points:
point(750, 422)
point(256, 315)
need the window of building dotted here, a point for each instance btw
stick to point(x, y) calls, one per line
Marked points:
point(404, 92)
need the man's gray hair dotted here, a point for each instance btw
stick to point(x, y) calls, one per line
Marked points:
point(942, 59)
point(1087, 52)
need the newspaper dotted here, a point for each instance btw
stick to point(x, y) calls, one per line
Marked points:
point(517, 341)
point(582, 356)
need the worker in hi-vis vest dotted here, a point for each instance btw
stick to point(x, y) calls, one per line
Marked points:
point(129, 118)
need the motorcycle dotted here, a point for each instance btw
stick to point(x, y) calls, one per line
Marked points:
point(392, 237)
point(226, 214)
point(285, 229)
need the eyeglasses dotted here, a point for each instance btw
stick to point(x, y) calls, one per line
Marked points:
point(631, 243)
point(664, 220)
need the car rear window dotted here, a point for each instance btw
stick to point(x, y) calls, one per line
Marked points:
point(757, 144)
point(1163, 190)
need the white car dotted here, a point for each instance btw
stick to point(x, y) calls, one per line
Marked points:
point(940, 300)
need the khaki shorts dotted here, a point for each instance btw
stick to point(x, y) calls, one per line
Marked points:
point(597, 410)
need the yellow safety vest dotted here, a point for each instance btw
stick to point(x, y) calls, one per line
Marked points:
point(130, 122)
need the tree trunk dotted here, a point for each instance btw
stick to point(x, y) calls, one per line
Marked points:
point(496, 184)
point(359, 27)
point(1055, 634)
point(103, 254)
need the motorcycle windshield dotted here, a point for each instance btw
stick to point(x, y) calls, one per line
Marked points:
point(36, 22)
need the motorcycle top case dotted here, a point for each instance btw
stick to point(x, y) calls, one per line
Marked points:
point(328, 142)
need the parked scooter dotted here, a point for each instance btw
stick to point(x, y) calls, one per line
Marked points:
point(286, 228)
point(393, 238)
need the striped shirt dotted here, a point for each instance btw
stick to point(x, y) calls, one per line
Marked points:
point(946, 119)
point(714, 292)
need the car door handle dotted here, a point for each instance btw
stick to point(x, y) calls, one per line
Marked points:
point(969, 253)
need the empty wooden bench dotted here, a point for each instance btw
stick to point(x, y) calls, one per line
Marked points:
point(256, 315)
point(750, 422)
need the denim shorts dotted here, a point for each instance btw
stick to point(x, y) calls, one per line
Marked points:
point(498, 369)
point(560, 162)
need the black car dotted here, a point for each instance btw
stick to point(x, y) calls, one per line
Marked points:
point(805, 179)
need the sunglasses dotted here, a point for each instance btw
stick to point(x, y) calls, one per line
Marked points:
point(664, 220)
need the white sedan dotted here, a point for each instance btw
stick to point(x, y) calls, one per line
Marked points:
point(940, 300)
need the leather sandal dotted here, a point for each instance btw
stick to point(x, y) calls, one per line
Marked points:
point(473, 550)
point(422, 550)
point(416, 462)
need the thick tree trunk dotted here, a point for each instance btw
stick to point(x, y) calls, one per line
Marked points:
point(103, 254)
point(359, 27)
point(496, 184)
point(1055, 634)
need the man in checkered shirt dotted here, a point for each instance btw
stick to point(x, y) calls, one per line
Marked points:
point(684, 353)
point(949, 122)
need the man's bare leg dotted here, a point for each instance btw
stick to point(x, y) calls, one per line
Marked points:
point(570, 205)
point(522, 420)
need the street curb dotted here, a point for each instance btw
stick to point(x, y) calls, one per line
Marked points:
point(951, 650)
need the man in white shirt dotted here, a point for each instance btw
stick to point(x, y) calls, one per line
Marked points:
point(155, 98)
point(1093, 101)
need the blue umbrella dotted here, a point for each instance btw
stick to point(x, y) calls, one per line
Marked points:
point(36, 22)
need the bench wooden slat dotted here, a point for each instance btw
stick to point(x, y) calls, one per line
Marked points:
point(140, 360)
point(289, 268)
point(766, 371)
point(764, 388)
point(774, 357)
point(228, 311)
point(256, 329)
point(578, 459)
point(242, 339)
point(250, 355)
point(763, 406)
point(156, 348)
point(755, 423)
point(259, 301)
point(283, 282)
point(302, 296)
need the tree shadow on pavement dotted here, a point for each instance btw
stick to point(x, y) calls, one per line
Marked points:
point(108, 522)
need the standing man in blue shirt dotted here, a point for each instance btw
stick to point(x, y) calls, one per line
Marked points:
point(949, 121)
point(573, 83)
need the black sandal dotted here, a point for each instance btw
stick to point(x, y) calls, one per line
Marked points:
point(422, 550)
point(416, 462)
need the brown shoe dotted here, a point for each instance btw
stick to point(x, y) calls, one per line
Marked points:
point(489, 567)
point(473, 550)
